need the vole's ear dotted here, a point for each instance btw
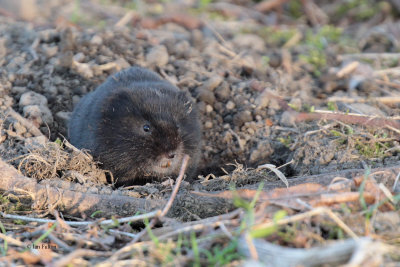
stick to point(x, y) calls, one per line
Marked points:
point(117, 105)
point(184, 98)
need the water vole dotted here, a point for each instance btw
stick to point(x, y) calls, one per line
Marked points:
point(138, 126)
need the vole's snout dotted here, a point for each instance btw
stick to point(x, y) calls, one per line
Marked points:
point(166, 159)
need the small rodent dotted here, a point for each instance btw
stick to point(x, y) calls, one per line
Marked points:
point(138, 126)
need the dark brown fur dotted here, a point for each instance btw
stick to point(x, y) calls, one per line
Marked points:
point(112, 123)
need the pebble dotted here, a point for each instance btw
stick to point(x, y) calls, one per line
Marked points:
point(223, 91)
point(262, 100)
point(52, 90)
point(243, 116)
point(48, 35)
point(66, 59)
point(40, 113)
point(75, 100)
point(181, 49)
point(288, 119)
point(230, 105)
point(208, 125)
point(275, 60)
point(250, 131)
point(3, 47)
point(218, 106)
point(96, 40)
point(205, 95)
point(228, 118)
point(32, 98)
point(49, 51)
point(64, 116)
point(209, 108)
point(79, 57)
point(83, 69)
point(239, 100)
point(262, 150)
point(157, 56)
point(18, 89)
point(212, 83)
point(122, 63)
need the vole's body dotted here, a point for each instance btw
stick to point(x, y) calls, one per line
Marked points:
point(138, 126)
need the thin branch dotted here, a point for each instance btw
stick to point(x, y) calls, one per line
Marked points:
point(177, 185)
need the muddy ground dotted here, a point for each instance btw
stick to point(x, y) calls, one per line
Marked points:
point(250, 72)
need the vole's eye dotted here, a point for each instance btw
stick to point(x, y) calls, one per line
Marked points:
point(146, 128)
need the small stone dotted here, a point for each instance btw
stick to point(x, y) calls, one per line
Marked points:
point(218, 106)
point(262, 100)
point(208, 125)
point(48, 35)
point(3, 47)
point(230, 105)
point(288, 119)
point(209, 108)
point(205, 96)
point(223, 91)
point(19, 89)
point(52, 90)
point(66, 59)
point(239, 100)
point(96, 40)
point(83, 69)
point(75, 100)
point(212, 83)
point(64, 116)
point(228, 118)
point(11, 77)
point(275, 60)
point(240, 118)
point(32, 98)
point(326, 157)
point(39, 113)
point(79, 57)
point(181, 49)
point(122, 63)
point(49, 51)
point(262, 150)
point(157, 56)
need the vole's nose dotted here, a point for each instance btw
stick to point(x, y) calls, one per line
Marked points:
point(171, 155)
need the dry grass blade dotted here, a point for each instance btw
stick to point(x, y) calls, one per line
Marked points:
point(177, 185)
point(339, 252)
point(302, 216)
point(273, 168)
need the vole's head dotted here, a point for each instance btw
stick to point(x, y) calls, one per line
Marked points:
point(147, 131)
